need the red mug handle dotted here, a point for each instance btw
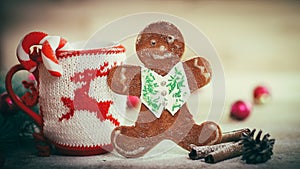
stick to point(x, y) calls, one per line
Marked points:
point(8, 83)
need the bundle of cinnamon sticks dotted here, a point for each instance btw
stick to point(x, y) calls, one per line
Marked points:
point(229, 147)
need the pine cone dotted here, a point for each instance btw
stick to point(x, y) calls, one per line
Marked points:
point(256, 150)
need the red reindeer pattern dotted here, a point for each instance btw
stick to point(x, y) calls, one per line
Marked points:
point(82, 100)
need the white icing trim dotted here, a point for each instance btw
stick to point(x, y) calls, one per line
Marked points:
point(123, 79)
point(134, 152)
point(166, 55)
point(205, 74)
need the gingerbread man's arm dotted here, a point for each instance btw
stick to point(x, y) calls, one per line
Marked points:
point(125, 80)
point(198, 72)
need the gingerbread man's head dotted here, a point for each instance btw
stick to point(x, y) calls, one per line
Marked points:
point(160, 46)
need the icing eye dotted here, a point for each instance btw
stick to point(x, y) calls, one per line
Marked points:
point(153, 42)
point(170, 39)
point(138, 39)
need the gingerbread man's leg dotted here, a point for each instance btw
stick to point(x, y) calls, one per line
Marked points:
point(131, 146)
point(135, 141)
point(207, 133)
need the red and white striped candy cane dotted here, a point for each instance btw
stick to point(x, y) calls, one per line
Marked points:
point(49, 45)
point(23, 49)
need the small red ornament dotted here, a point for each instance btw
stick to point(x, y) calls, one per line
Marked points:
point(31, 77)
point(261, 95)
point(7, 107)
point(133, 101)
point(240, 110)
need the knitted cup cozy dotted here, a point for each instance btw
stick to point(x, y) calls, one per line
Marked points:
point(78, 116)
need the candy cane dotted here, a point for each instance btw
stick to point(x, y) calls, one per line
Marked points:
point(49, 45)
point(23, 49)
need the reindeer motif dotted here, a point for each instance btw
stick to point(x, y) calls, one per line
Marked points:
point(82, 100)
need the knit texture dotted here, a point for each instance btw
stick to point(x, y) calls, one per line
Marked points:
point(77, 108)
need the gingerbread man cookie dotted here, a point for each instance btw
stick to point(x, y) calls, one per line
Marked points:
point(163, 84)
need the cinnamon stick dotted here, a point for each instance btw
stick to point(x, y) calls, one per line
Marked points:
point(229, 147)
point(199, 152)
point(234, 135)
point(230, 151)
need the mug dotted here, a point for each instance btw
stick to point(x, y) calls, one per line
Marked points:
point(77, 109)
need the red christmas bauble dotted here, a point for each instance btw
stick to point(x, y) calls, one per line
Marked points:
point(7, 107)
point(240, 110)
point(133, 101)
point(31, 77)
point(261, 95)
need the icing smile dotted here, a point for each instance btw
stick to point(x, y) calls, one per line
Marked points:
point(164, 56)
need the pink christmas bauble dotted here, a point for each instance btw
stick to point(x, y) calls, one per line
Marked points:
point(7, 107)
point(133, 101)
point(31, 77)
point(261, 95)
point(240, 110)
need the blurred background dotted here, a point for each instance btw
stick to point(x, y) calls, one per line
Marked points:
point(250, 36)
